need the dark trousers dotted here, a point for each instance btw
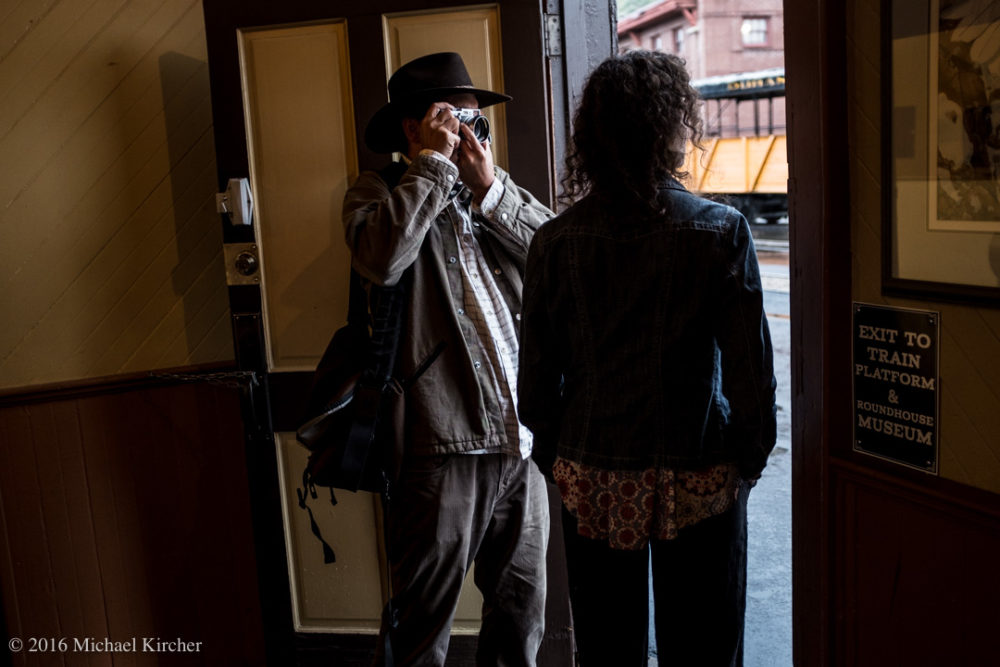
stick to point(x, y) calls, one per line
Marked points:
point(446, 513)
point(699, 591)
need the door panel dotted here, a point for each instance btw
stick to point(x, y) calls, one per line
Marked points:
point(300, 135)
point(473, 32)
point(342, 596)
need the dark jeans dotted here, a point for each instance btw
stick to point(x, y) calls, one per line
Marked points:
point(699, 590)
point(446, 513)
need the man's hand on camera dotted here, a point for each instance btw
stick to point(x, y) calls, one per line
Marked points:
point(439, 130)
point(475, 164)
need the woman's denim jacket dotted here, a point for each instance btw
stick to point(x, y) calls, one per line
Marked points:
point(644, 341)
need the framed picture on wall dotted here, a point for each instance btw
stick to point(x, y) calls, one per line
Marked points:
point(941, 149)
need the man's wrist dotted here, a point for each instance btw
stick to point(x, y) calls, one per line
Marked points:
point(490, 200)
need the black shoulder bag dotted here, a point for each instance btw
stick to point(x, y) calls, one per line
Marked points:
point(353, 382)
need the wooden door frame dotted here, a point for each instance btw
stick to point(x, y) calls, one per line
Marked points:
point(820, 242)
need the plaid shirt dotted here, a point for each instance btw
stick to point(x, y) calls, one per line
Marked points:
point(483, 304)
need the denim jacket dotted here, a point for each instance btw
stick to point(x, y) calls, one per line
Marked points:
point(452, 407)
point(644, 341)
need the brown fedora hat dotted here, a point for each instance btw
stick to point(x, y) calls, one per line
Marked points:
point(419, 82)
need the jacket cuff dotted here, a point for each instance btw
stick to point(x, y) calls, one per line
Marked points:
point(508, 207)
point(436, 167)
point(492, 199)
point(544, 459)
point(753, 458)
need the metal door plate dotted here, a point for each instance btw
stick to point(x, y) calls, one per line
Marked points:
point(242, 263)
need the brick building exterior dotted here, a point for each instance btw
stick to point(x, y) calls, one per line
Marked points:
point(718, 39)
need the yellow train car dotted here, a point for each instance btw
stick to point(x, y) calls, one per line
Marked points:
point(748, 168)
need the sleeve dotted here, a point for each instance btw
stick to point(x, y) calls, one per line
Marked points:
point(516, 216)
point(492, 199)
point(748, 381)
point(539, 376)
point(385, 228)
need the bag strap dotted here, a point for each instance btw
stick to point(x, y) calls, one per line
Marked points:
point(385, 303)
point(386, 306)
point(386, 329)
point(310, 490)
point(357, 302)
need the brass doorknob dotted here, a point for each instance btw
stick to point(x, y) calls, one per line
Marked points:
point(247, 263)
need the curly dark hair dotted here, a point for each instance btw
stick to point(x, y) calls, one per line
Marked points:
point(630, 130)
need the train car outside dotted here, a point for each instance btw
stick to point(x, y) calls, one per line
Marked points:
point(742, 159)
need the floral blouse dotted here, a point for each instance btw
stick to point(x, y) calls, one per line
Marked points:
point(629, 507)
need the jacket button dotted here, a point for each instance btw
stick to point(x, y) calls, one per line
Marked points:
point(452, 259)
point(476, 364)
point(517, 316)
point(503, 216)
point(496, 271)
point(461, 311)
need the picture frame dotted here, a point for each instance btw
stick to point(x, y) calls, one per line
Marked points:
point(941, 150)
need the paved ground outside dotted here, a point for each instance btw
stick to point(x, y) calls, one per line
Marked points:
point(768, 634)
point(769, 553)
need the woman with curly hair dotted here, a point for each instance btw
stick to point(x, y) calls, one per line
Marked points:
point(646, 375)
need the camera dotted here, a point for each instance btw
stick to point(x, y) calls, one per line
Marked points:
point(479, 123)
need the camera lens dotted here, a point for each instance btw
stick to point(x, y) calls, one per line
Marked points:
point(480, 127)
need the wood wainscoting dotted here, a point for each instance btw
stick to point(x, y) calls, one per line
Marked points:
point(915, 580)
point(125, 513)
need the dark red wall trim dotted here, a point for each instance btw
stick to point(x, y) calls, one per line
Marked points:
point(108, 384)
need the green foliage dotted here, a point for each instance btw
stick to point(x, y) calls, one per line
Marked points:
point(626, 7)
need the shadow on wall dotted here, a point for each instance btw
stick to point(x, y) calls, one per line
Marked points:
point(142, 320)
point(198, 278)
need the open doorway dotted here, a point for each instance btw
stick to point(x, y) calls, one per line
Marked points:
point(734, 52)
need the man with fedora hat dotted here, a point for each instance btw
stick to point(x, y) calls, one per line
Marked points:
point(455, 229)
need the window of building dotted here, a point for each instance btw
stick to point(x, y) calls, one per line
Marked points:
point(754, 31)
point(656, 42)
point(678, 40)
